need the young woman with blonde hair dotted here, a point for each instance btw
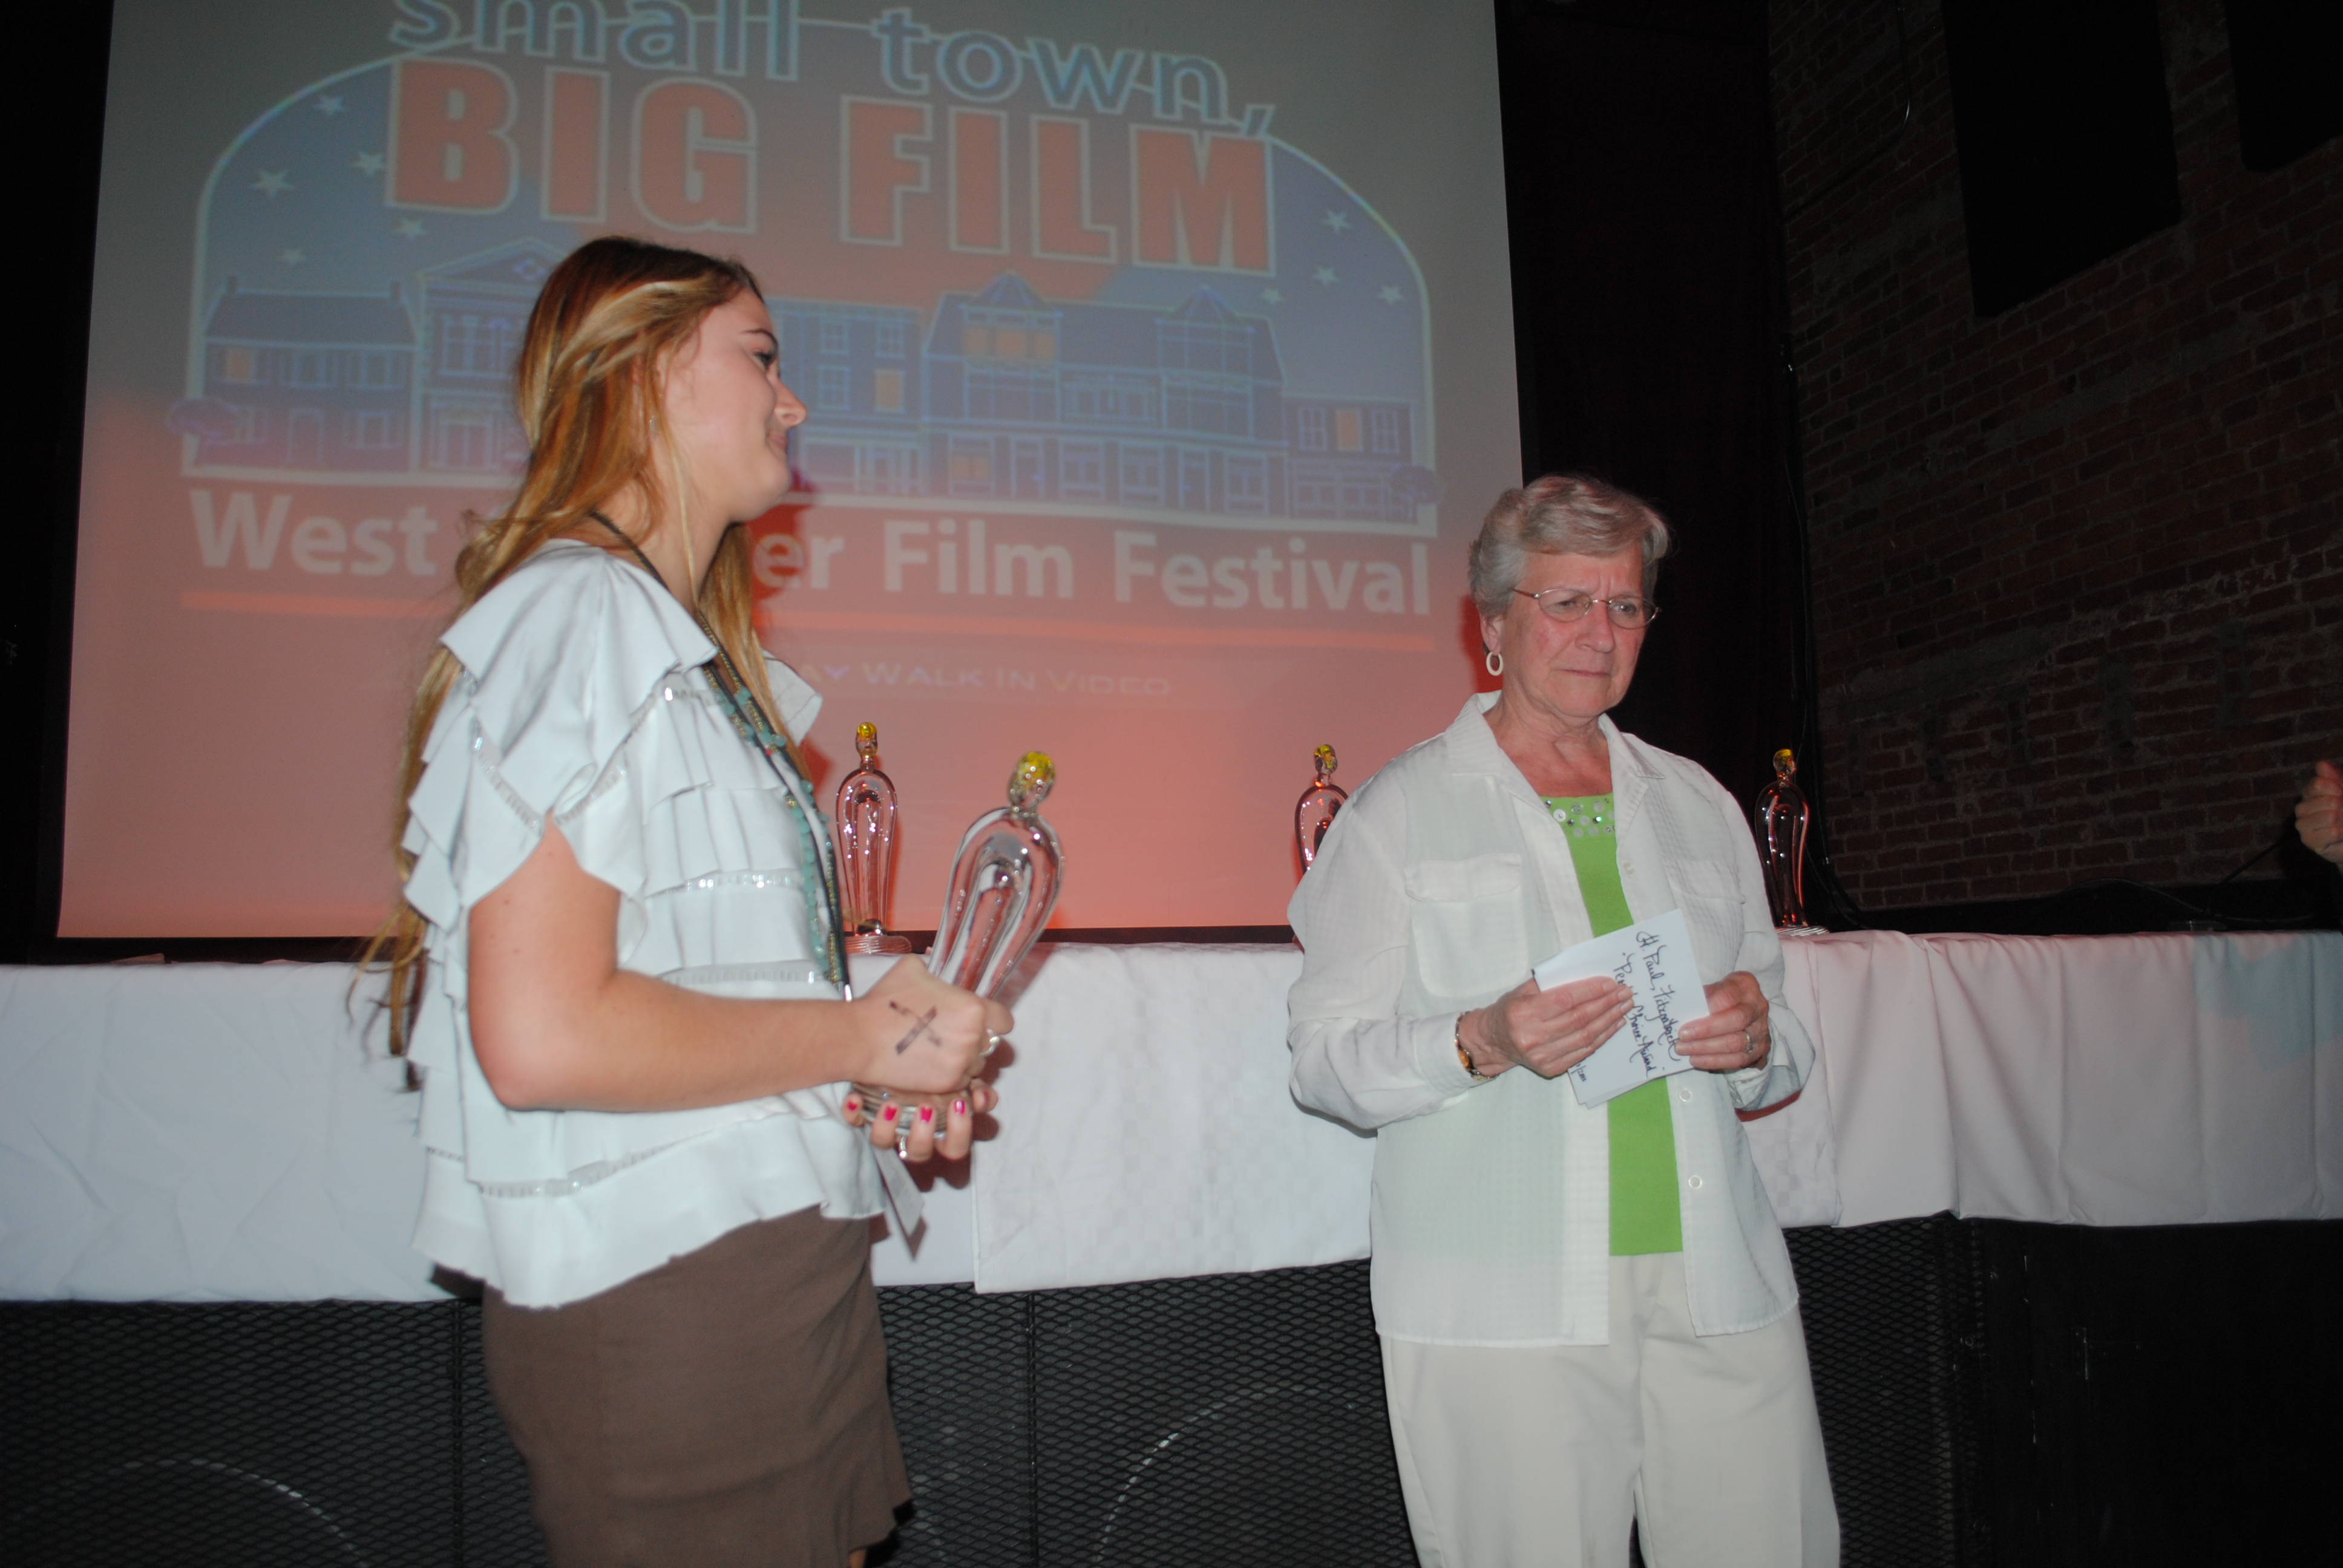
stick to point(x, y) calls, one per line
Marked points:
point(617, 966)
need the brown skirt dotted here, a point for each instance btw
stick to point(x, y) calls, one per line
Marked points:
point(728, 1407)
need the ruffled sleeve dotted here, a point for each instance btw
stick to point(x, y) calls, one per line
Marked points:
point(558, 661)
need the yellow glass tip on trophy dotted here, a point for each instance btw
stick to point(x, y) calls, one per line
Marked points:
point(1029, 786)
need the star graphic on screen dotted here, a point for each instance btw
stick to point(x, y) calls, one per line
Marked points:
point(1336, 221)
point(368, 162)
point(1325, 277)
point(409, 228)
point(272, 181)
point(1272, 296)
point(332, 105)
point(291, 257)
point(1389, 294)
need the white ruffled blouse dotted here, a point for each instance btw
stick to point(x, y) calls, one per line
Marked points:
point(583, 702)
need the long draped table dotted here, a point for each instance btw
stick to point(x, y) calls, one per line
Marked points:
point(211, 1133)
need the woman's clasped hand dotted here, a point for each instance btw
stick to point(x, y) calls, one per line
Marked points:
point(925, 1043)
point(1733, 1036)
point(1547, 1031)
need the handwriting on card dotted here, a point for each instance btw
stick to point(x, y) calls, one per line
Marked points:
point(1653, 960)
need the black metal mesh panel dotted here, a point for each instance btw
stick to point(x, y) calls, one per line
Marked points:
point(1892, 1319)
point(956, 1373)
point(490, 1476)
point(1225, 1419)
point(1176, 1422)
point(257, 1435)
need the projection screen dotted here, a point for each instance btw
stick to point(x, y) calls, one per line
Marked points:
point(1158, 358)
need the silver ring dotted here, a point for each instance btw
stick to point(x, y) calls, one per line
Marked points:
point(1748, 1044)
point(991, 1042)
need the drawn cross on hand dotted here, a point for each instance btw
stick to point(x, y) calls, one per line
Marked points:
point(921, 1026)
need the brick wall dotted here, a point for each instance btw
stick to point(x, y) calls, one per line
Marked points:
point(2078, 569)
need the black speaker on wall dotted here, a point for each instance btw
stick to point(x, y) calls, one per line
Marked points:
point(2065, 131)
point(2285, 60)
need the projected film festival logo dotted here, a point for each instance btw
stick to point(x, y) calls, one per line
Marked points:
point(1072, 323)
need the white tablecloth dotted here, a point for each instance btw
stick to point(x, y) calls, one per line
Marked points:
point(2151, 1080)
point(201, 1132)
point(222, 1133)
point(1146, 1132)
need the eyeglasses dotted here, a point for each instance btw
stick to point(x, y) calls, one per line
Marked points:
point(1628, 612)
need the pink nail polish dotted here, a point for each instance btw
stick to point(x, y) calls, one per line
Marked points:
point(927, 1115)
point(887, 1114)
point(853, 1106)
point(960, 1108)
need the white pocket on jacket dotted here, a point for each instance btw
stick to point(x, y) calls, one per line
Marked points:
point(1466, 917)
point(1709, 894)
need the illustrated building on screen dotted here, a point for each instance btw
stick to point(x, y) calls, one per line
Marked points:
point(352, 383)
point(306, 381)
point(475, 310)
point(1002, 396)
point(1010, 397)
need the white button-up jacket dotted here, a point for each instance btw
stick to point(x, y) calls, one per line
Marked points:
point(1442, 882)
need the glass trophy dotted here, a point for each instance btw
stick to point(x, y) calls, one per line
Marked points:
point(1004, 883)
point(1314, 812)
point(864, 824)
point(1782, 817)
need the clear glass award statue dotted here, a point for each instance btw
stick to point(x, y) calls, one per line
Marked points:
point(1783, 817)
point(864, 824)
point(1004, 883)
point(1314, 812)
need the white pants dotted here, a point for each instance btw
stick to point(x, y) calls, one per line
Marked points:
point(1541, 1457)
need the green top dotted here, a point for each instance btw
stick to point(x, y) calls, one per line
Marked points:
point(1644, 1216)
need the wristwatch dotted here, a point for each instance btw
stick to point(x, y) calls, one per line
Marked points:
point(1464, 1054)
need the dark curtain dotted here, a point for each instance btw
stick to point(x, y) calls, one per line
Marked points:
point(49, 328)
point(1640, 192)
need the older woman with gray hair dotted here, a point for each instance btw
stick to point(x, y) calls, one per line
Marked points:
point(1588, 1316)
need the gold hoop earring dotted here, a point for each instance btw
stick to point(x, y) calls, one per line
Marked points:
point(1494, 662)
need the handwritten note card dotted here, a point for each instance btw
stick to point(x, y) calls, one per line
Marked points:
point(1654, 959)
